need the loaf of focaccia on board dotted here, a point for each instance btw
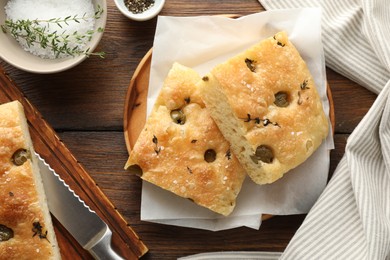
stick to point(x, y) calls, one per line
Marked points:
point(26, 230)
point(265, 102)
point(180, 148)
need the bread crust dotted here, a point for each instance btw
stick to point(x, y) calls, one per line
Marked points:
point(172, 155)
point(23, 205)
point(241, 96)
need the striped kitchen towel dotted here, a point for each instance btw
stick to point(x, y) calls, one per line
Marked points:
point(351, 219)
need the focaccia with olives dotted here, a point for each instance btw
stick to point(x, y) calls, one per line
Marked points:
point(265, 102)
point(181, 149)
point(26, 230)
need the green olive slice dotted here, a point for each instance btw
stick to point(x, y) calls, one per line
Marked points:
point(178, 116)
point(6, 233)
point(281, 99)
point(20, 157)
point(264, 153)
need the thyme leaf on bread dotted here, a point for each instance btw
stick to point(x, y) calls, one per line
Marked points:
point(38, 230)
point(228, 154)
point(157, 149)
point(250, 64)
point(304, 85)
point(258, 120)
point(278, 42)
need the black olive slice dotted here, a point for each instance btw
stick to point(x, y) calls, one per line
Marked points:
point(6, 233)
point(20, 157)
point(178, 116)
point(281, 99)
point(210, 155)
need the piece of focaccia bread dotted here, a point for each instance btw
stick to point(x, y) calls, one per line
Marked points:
point(26, 230)
point(265, 102)
point(181, 149)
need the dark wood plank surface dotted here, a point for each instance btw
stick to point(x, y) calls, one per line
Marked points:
point(85, 105)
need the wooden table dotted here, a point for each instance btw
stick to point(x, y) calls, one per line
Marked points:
point(85, 107)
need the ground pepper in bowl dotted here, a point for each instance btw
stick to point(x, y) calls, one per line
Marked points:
point(138, 6)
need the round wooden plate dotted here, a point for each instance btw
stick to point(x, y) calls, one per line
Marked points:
point(135, 104)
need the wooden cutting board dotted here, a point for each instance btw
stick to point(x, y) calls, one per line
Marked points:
point(46, 142)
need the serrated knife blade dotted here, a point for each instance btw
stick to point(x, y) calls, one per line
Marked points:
point(83, 224)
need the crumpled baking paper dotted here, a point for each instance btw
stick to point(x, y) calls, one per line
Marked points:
point(201, 43)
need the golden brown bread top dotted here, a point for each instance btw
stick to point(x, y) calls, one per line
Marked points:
point(269, 97)
point(20, 209)
point(189, 158)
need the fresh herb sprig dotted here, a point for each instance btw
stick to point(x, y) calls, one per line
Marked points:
point(37, 32)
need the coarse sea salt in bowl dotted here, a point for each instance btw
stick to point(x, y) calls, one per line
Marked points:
point(33, 58)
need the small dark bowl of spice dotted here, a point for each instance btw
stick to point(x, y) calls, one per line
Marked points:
point(140, 10)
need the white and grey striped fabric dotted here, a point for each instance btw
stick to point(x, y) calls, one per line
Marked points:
point(351, 219)
point(234, 255)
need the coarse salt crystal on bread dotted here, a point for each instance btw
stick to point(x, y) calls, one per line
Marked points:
point(180, 148)
point(26, 230)
point(266, 104)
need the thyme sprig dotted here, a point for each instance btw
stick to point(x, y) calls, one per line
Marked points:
point(37, 32)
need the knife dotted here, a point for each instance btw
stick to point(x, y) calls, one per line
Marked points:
point(83, 224)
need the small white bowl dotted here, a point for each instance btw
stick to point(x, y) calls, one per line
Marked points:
point(147, 15)
point(13, 53)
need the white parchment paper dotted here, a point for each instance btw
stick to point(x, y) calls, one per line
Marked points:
point(203, 42)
